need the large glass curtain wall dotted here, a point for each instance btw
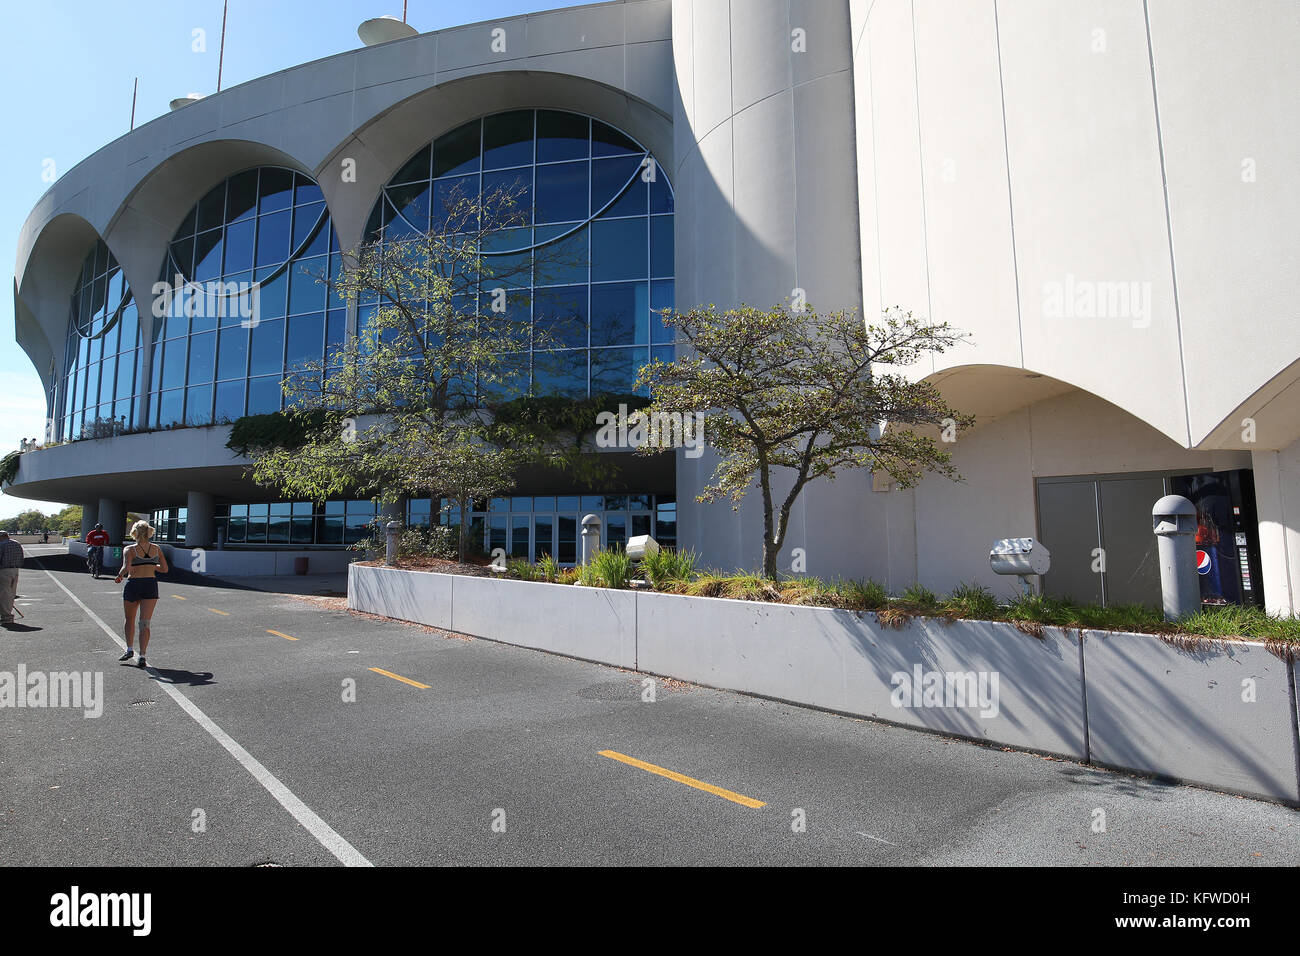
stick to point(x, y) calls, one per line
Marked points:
point(103, 358)
point(250, 254)
point(600, 239)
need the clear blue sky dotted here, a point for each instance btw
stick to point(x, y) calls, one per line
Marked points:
point(67, 67)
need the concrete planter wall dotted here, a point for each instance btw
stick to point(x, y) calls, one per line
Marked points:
point(1128, 701)
point(847, 662)
point(1221, 714)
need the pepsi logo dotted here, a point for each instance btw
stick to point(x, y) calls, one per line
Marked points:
point(1202, 562)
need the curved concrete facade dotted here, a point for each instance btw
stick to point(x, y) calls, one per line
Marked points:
point(1099, 192)
point(765, 165)
point(1019, 158)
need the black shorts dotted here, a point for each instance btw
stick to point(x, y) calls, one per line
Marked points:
point(140, 589)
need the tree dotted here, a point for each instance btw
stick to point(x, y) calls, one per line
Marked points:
point(68, 521)
point(405, 407)
point(801, 392)
point(30, 522)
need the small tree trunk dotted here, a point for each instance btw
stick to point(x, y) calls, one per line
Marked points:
point(771, 546)
point(463, 505)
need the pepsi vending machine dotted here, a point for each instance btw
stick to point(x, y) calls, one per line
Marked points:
point(1227, 536)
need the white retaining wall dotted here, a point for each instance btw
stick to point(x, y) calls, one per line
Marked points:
point(1220, 714)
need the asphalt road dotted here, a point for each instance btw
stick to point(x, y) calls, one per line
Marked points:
point(238, 747)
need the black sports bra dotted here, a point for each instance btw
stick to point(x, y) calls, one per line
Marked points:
point(136, 562)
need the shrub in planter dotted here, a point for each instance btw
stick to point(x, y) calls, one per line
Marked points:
point(608, 569)
point(668, 567)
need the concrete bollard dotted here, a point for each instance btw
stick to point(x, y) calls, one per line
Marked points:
point(393, 530)
point(590, 537)
point(1173, 519)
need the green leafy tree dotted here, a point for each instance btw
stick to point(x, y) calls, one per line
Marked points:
point(30, 522)
point(405, 407)
point(805, 393)
point(68, 521)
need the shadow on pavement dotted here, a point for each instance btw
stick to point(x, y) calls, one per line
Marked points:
point(21, 627)
point(168, 676)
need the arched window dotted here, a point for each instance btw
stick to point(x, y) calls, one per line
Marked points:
point(594, 193)
point(249, 304)
point(101, 384)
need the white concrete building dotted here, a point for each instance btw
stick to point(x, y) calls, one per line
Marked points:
point(1098, 191)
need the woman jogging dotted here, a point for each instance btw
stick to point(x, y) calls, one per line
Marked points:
point(140, 562)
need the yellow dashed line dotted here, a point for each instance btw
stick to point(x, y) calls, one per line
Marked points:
point(179, 598)
point(222, 613)
point(278, 634)
point(404, 680)
point(731, 795)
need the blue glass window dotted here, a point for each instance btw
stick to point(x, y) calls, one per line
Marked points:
point(584, 283)
point(621, 178)
point(508, 140)
point(619, 250)
point(234, 252)
point(562, 192)
point(458, 151)
point(620, 314)
point(560, 317)
point(266, 348)
point(562, 136)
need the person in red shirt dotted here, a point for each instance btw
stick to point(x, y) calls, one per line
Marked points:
point(98, 539)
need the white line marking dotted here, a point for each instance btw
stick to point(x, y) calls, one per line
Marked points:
point(344, 851)
point(877, 839)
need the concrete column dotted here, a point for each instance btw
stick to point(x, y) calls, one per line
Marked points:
point(112, 515)
point(1277, 500)
point(199, 524)
point(89, 516)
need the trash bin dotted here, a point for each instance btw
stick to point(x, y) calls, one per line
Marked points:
point(299, 565)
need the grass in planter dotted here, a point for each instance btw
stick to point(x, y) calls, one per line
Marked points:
point(608, 569)
point(863, 595)
point(523, 570)
point(919, 597)
point(666, 568)
point(738, 587)
point(972, 601)
point(810, 591)
point(1122, 617)
point(675, 573)
point(547, 569)
point(1249, 622)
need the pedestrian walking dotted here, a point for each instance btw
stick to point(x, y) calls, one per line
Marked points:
point(11, 559)
point(140, 563)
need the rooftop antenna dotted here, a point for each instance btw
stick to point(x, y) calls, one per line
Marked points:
point(221, 55)
point(135, 89)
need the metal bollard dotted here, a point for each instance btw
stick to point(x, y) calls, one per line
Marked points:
point(590, 537)
point(1174, 521)
point(393, 529)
